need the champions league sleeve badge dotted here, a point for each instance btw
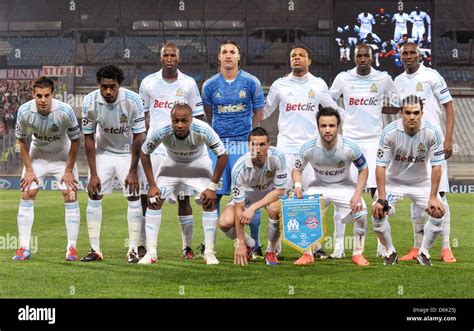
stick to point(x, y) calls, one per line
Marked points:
point(302, 223)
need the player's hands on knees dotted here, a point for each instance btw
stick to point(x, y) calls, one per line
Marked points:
point(69, 180)
point(247, 216)
point(240, 254)
point(208, 198)
point(299, 192)
point(131, 183)
point(356, 204)
point(27, 180)
point(435, 208)
point(154, 195)
point(94, 187)
point(378, 211)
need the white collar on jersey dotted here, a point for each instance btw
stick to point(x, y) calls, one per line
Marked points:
point(332, 151)
point(421, 68)
point(160, 75)
point(120, 98)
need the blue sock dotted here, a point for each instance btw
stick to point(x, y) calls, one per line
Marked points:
point(255, 228)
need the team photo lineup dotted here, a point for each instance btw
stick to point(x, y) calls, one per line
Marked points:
point(206, 145)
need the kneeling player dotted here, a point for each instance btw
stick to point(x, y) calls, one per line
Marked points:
point(259, 179)
point(405, 148)
point(187, 166)
point(330, 156)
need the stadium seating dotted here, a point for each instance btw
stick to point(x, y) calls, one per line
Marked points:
point(38, 51)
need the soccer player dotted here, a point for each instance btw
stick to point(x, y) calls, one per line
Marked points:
point(187, 165)
point(366, 21)
point(113, 122)
point(428, 84)
point(233, 102)
point(259, 179)
point(418, 18)
point(401, 19)
point(364, 90)
point(53, 152)
point(405, 148)
point(330, 156)
point(297, 97)
point(160, 91)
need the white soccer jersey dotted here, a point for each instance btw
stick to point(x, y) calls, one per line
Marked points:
point(113, 124)
point(247, 180)
point(331, 167)
point(188, 149)
point(49, 132)
point(428, 84)
point(363, 102)
point(298, 99)
point(401, 21)
point(406, 157)
point(366, 22)
point(159, 96)
point(418, 19)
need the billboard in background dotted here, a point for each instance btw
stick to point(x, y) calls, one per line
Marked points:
point(384, 25)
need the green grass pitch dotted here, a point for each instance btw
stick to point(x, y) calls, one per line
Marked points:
point(47, 275)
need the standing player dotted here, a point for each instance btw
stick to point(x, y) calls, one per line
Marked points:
point(418, 18)
point(258, 180)
point(160, 92)
point(52, 124)
point(233, 102)
point(366, 21)
point(364, 90)
point(185, 165)
point(401, 19)
point(428, 84)
point(297, 97)
point(330, 156)
point(405, 148)
point(113, 122)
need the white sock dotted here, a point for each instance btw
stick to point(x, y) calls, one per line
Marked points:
point(418, 218)
point(339, 229)
point(73, 220)
point(446, 225)
point(383, 231)
point(209, 224)
point(142, 241)
point(360, 231)
point(277, 245)
point(432, 229)
point(25, 218)
point(152, 228)
point(273, 234)
point(187, 226)
point(94, 220)
point(339, 243)
point(134, 218)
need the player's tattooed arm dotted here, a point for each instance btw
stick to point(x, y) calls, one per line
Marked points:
point(435, 205)
point(131, 182)
point(240, 254)
point(29, 176)
point(94, 185)
point(68, 177)
point(448, 140)
point(379, 210)
point(390, 110)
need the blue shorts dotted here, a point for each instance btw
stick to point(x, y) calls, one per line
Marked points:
point(235, 150)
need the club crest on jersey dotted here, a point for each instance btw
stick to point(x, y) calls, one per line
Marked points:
point(341, 164)
point(218, 95)
point(269, 174)
point(373, 88)
point(179, 92)
point(421, 148)
point(311, 94)
point(419, 87)
point(242, 94)
point(123, 118)
point(54, 127)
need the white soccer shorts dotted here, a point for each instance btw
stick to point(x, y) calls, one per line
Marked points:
point(179, 179)
point(340, 195)
point(111, 166)
point(369, 149)
point(45, 168)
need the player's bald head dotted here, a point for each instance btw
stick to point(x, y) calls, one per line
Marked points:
point(410, 44)
point(179, 107)
point(361, 47)
point(169, 45)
